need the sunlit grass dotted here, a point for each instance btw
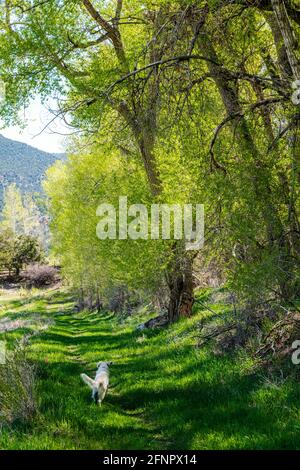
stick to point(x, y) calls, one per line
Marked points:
point(164, 393)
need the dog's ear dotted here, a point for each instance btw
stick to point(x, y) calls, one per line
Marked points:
point(107, 363)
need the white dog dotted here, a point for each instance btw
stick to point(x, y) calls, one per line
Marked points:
point(100, 384)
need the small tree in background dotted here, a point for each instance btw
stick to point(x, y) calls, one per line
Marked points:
point(13, 212)
point(18, 251)
point(26, 251)
point(24, 214)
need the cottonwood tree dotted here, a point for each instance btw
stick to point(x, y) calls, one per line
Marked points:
point(57, 39)
point(13, 212)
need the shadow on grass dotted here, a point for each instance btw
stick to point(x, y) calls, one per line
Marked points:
point(163, 393)
point(200, 415)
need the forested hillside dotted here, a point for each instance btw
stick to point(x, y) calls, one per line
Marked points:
point(23, 165)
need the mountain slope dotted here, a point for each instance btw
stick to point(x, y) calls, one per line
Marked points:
point(24, 165)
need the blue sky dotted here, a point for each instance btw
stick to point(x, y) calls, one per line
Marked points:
point(35, 118)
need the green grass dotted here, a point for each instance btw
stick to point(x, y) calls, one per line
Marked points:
point(164, 394)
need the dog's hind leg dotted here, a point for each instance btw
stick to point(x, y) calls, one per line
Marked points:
point(102, 392)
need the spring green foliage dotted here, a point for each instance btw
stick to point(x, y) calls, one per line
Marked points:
point(192, 101)
point(173, 101)
point(23, 214)
point(13, 211)
point(75, 190)
point(164, 393)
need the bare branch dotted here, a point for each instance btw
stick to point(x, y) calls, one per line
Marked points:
point(77, 45)
point(292, 125)
point(232, 117)
point(158, 63)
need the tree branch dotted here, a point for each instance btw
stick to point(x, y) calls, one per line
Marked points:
point(158, 63)
point(265, 5)
point(112, 31)
point(232, 117)
point(118, 13)
point(77, 45)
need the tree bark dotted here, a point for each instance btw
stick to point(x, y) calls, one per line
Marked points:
point(181, 287)
point(283, 60)
point(293, 53)
point(288, 35)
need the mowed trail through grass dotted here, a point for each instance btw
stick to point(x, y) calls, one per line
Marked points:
point(164, 393)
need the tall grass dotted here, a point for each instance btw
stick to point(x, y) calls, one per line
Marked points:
point(17, 387)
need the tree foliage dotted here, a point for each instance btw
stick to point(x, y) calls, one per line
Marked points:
point(23, 214)
point(17, 251)
point(176, 101)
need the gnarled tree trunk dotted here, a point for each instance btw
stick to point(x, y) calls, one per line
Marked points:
point(288, 35)
point(181, 286)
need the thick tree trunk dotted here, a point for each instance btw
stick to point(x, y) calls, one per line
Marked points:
point(293, 54)
point(146, 144)
point(283, 60)
point(181, 287)
point(143, 122)
point(288, 35)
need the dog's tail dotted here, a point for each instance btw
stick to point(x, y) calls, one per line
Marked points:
point(90, 382)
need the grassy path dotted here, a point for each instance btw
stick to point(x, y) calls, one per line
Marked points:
point(164, 393)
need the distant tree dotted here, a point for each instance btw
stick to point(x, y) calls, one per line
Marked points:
point(16, 252)
point(26, 250)
point(22, 215)
point(13, 211)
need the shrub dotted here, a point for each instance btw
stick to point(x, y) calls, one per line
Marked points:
point(18, 251)
point(17, 388)
point(124, 301)
point(38, 275)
